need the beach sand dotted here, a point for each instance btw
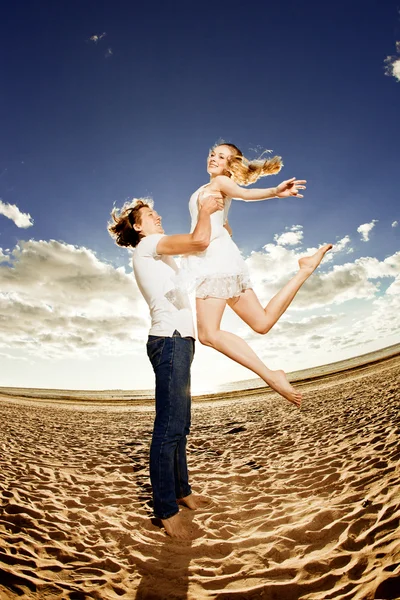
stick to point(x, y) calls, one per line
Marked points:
point(305, 504)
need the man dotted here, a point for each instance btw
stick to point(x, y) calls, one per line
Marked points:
point(170, 348)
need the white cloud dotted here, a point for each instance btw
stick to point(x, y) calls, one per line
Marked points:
point(395, 223)
point(11, 357)
point(341, 245)
point(58, 300)
point(292, 237)
point(365, 229)
point(342, 283)
point(392, 64)
point(3, 257)
point(109, 52)
point(289, 332)
point(96, 38)
point(363, 325)
point(305, 325)
point(272, 267)
point(396, 69)
point(11, 211)
point(385, 317)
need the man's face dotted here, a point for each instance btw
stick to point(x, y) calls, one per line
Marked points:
point(150, 222)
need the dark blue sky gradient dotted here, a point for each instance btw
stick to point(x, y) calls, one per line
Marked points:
point(82, 130)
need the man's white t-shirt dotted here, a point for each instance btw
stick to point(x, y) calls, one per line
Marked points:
point(169, 308)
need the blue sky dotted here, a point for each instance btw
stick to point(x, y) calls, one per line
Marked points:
point(103, 101)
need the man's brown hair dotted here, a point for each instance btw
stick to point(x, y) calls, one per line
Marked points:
point(122, 226)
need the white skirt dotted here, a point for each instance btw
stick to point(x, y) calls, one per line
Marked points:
point(218, 272)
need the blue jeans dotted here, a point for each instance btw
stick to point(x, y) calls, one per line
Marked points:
point(171, 358)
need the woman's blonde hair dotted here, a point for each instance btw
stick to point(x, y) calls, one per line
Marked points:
point(244, 171)
point(121, 228)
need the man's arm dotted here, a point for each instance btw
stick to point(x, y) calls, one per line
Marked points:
point(189, 243)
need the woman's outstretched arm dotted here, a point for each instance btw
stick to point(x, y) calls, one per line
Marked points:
point(287, 188)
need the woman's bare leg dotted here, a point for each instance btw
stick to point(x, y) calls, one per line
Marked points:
point(260, 319)
point(209, 315)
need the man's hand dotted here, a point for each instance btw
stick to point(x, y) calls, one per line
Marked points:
point(197, 241)
point(291, 187)
point(211, 204)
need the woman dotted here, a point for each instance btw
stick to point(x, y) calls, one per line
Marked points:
point(220, 274)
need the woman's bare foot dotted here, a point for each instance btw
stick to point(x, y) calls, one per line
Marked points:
point(311, 262)
point(194, 501)
point(176, 529)
point(279, 382)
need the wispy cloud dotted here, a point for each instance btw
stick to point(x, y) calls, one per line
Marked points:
point(395, 223)
point(365, 230)
point(97, 37)
point(11, 211)
point(392, 64)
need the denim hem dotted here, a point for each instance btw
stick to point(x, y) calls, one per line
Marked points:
point(184, 495)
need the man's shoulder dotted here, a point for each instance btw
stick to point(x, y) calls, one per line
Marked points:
point(147, 247)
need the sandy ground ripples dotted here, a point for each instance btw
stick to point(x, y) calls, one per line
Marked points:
point(305, 504)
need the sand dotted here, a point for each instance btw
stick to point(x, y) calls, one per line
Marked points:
point(305, 504)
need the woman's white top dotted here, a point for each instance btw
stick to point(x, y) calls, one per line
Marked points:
point(220, 271)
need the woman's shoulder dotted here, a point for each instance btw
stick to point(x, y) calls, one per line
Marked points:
point(216, 186)
point(219, 182)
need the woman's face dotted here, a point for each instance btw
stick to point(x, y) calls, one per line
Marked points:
point(217, 161)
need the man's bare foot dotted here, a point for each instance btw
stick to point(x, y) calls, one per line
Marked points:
point(279, 382)
point(194, 501)
point(311, 262)
point(176, 529)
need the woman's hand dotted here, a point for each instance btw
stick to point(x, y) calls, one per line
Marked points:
point(291, 187)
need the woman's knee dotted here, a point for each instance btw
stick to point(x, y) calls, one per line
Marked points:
point(206, 337)
point(262, 327)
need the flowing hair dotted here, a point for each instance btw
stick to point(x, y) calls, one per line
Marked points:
point(121, 228)
point(244, 171)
